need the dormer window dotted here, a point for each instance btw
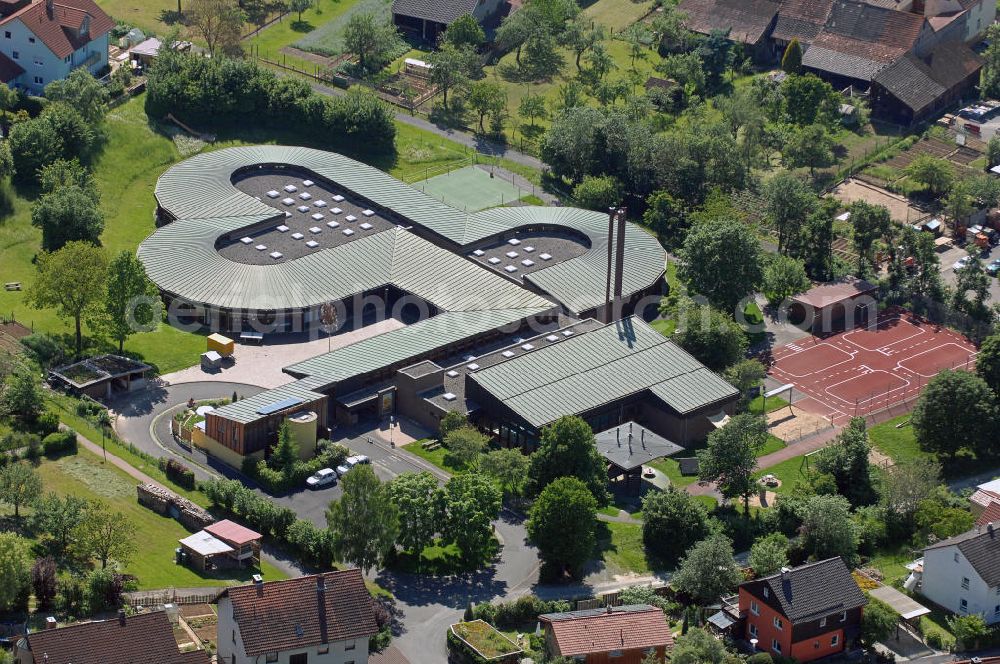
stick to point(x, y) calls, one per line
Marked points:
point(767, 592)
point(85, 26)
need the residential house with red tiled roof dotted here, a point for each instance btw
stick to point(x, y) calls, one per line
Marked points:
point(148, 637)
point(806, 613)
point(621, 634)
point(44, 40)
point(319, 619)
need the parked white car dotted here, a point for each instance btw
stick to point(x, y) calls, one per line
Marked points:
point(323, 477)
point(351, 462)
point(961, 263)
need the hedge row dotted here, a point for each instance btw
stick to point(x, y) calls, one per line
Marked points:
point(177, 473)
point(313, 545)
point(221, 91)
point(274, 481)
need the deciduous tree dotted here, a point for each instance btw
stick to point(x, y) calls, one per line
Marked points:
point(768, 554)
point(934, 173)
point(365, 521)
point(71, 281)
point(721, 259)
point(220, 23)
point(472, 502)
point(827, 529)
point(708, 570)
point(789, 203)
point(697, 646)
point(714, 338)
point(451, 68)
point(988, 362)
point(131, 303)
point(532, 107)
point(371, 39)
point(420, 504)
point(58, 516)
point(15, 569)
point(465, 31)
point(745, 375)
point(105, 534)
point(300, 6)
point(784, 276)
point(20, 485)
point(957, 410)
point(487, 98)
point(847, 461)
point(567, 449)
point(871, 224)
point(20, 396)
point(81, 91)
point(810, 147)
point(508, 466)
point(672, 521)
point(730, 458)
point(66, 215)
point(561, 525)
point(465, 445)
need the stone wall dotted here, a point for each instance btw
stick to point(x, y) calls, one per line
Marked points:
point(168, 503)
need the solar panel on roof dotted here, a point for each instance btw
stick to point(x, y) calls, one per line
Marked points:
point(279, 405)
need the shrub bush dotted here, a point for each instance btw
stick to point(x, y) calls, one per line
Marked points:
point(60, 442)
point(523, 609)
point(47, 422)
point(760, 658)
point(178, 473)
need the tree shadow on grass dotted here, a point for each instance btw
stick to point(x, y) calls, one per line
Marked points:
point(173, 17)
point(302, 26)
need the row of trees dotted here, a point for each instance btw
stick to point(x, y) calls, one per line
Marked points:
point(225, 91)
point(114, 297)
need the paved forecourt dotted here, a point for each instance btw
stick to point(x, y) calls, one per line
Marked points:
point(866, 370)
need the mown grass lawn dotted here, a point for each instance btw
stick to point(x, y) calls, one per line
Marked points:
point(86, 476)
point(620, 548)
point(789, 472)
point(896, 439)
point(438, 457)
point(268, 42)
point(148, 15)
point(891, 562)
point(757, 404)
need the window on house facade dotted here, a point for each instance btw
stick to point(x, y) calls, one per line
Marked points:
point(39, 62)
point(754, 608)
point(753, 630)
point(775, 646)
point(965, 582)
point(834, 640)
point(271, 657)
point(31, 40)
point(963, 605)
point(767, 593)
point(822, 622)
point(6, 34)
point(15, 55)
point(843, 616)
point(615, 653)
point(323, 650)
point(778, 624)
point(350, 646)
point(299, 658)
point(39, 80)
point(956, 556)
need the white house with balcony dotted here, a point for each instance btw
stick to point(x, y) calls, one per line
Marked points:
point(962, 573)
point(319, 619)
point(44, 40)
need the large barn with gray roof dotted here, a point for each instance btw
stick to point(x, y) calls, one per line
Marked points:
point(505, 309)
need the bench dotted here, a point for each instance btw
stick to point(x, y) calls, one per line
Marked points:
point(12, 286)
point(431, 445)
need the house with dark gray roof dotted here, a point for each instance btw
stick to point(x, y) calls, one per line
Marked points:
point(914, 88)
point(805, 613)
point(429, 18)
point(962, 573)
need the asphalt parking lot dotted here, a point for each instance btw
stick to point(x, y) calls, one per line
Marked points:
point(949, 257)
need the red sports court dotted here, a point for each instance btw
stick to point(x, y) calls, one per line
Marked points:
point(866, 370)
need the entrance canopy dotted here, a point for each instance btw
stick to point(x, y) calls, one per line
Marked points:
point(904, 605)
point(629, 446)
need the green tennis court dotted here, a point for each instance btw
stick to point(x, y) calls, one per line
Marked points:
point(471, 189)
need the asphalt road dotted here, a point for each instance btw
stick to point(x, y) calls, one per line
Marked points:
point(949, 257)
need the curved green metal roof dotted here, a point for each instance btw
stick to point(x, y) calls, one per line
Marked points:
point(181, 257)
